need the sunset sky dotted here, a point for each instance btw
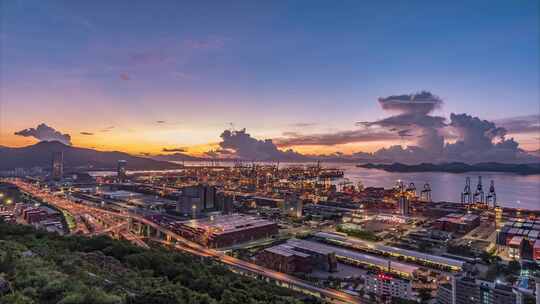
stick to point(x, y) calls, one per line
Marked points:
point(140, 76)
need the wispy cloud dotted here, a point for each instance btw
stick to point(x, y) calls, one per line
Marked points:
point(335, 138)
point(521, 124)
point(170, 150)
point(107, 129)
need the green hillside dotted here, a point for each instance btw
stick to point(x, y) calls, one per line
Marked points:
point(39, 267)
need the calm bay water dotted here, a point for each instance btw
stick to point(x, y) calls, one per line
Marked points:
point(513, 190)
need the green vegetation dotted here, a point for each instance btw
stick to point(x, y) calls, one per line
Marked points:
point(361, 234)
point(70, 220)
point(48, 268)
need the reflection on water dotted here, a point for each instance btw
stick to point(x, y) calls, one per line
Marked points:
point(516, 191)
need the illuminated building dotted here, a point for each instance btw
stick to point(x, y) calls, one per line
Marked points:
point(457, 222)
point(121, 173)
point(57, 171)
point(385, 287)
point(226, 230)
point(404, 207)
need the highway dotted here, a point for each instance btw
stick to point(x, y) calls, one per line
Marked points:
point(114, 219)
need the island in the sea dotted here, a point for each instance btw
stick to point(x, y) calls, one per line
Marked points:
point(457, 167)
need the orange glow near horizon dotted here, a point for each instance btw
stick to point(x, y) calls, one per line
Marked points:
point(140, 143)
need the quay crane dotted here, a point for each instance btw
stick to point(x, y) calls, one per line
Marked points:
point(466, 195)
point(492, 196)
point(425, 194)
point(411, 190)
point(479, 193)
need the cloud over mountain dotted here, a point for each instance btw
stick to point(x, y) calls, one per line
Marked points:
point(45, 133)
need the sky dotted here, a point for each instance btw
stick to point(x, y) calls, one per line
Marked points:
point(142, 76)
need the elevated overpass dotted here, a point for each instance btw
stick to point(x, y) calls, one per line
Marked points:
point(134, 228)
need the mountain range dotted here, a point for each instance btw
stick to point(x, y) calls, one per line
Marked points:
point(40, 155)
point(457, 167)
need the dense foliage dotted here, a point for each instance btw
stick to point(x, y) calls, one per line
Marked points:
point(39, 267)
point(361, 234)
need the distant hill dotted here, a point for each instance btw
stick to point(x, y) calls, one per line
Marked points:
point(177, 157)
point(40, 155)
point(457, 167)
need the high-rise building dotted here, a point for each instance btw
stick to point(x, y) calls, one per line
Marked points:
point(404, 208)
point(224, 203)
point(57, 171)
point(121, 173)
point(465, 289)
point(292, 205)
point(197, 199)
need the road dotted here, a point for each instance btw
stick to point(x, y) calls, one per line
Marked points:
point(114, 219)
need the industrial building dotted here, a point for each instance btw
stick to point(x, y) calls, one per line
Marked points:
point(521, 238)
point(226, 230)
point(290, 259)
point(357, 258)
point(457, 223)
point(406, 255)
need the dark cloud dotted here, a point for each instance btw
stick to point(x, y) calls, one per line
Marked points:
point(169, 150)
point(336, 138)
point(124, 76)
point(522, 124)
point(405, 133)
point(240, 144)
point(413, 112)
point(45, 133)
point(87, 133)
point(160, 121)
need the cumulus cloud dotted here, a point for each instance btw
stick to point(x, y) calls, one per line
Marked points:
point(169, 150)
point(474, 139)
point(413, 111)
point(481, 140)
point(45, 133)
point(239, 143)
point(87, 133)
